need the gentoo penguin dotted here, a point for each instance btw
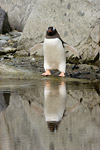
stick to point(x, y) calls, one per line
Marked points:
point(54, 52)
point(54, 103)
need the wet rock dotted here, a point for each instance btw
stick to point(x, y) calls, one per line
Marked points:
point(22, 53)
point(81, 71)
point(15, 45)
point(75, 75)
point(98, 71)
point(8, 70)
point(9, 42)
point(4, 23)
point(2, 42)
point(8, 57)
point(16, 39)
point(4, 37)
point(98, 76)
point(71, 59)
point(15, 33)
point(75, 67)
point(6, 50)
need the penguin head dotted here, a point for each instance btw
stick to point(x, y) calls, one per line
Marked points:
point(51, 31)
point(53, 126)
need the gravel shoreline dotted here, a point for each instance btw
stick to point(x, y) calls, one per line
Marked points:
point(35, 65)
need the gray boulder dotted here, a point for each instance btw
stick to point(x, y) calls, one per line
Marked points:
point(4, 23)
point(78, 24)
point(2, 42)
point(18, 11)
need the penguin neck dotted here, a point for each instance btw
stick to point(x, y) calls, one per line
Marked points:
point(53, 36)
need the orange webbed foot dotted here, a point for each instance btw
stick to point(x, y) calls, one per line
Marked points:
point(62, 74)
point(47, 73)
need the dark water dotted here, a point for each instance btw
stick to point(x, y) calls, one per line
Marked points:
point(49, 115)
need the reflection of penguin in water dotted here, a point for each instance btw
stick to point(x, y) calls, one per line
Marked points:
point(54, 53)
point(54, 104)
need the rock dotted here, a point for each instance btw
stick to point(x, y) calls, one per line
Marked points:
point(7, 70)
point(18, 11)
point(95, 33)
point(79, 23)
point(8, 57)
point(33, 59)
point(22, 53)
point(16, 39)
point(4, 23)
point(35, 65)
point(75, 27)
point(98, 71)
point(15, 33)
point(1, 58)
point(7, 50)
point(2, 42)
point(9, 42)
point(75, 75)
point(4, 37)
point(75, 67)
point(14, 45)
point(89, 48)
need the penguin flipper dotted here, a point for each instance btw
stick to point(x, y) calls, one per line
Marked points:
point(71, 49)
point(35, 47)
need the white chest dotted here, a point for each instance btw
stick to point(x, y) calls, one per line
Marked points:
point(52, 44)
point(53, 49)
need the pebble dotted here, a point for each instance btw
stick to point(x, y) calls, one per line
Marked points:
point(75, 67)
point(22, 53)
point(2, 42)
point(75, 75)
point(4, 37)
point(10, 56)
point(9, 42)
point(14, 45)
point(9, 50)
point(16, 39)
point(98, 71)
point(15, 33)
point(1, 58)
point(33, 59)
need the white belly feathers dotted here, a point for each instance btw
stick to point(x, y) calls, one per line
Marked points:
point(55, 101)
point(54, 54)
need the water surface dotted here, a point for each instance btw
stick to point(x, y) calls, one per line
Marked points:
point(49, 115)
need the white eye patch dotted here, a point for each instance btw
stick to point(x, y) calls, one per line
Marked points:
point(53, 28)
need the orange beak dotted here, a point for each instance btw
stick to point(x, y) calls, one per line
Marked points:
point(50, 30)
